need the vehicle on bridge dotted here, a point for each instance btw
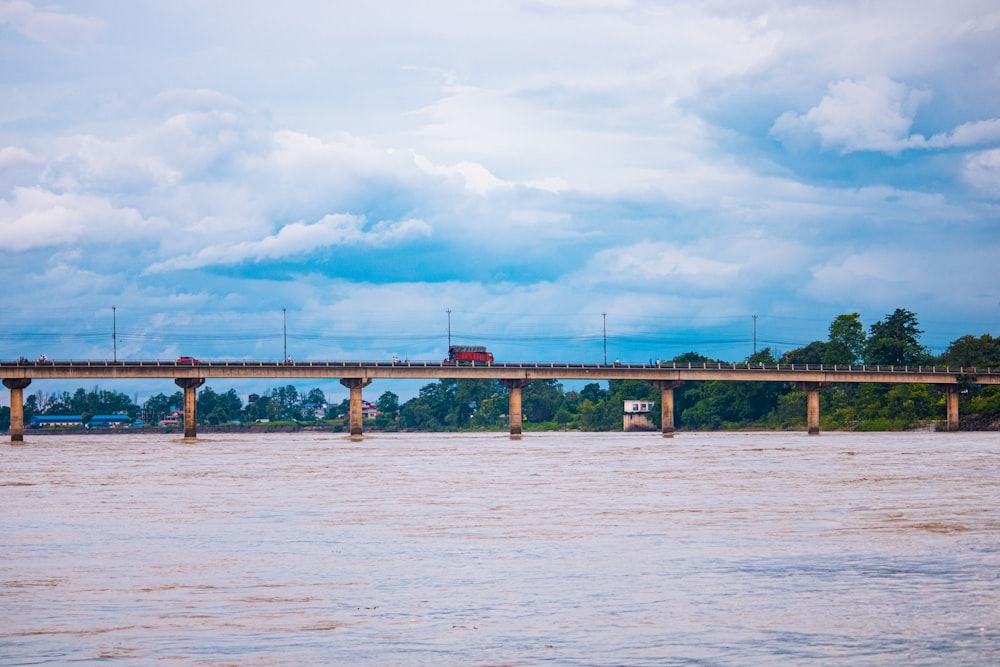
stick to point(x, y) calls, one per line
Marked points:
point(187, 360)
point(466, 355)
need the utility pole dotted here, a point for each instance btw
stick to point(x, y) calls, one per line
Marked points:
point(448, 310)
point(605, 316)
point(284, 335)
point(114, 332)
point(755, 333)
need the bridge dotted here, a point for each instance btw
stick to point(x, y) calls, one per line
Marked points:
point(355, 375)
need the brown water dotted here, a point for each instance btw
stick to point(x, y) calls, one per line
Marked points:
point(563, 549)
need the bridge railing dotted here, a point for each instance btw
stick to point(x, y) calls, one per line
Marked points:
point(662, 365)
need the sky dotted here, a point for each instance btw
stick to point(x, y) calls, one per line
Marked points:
point(560, 180)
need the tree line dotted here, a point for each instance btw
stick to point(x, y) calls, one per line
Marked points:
point(482, 404)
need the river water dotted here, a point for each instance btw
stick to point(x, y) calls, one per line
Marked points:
point(557, 549)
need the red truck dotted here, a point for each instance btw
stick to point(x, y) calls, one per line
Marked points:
point(464, 355)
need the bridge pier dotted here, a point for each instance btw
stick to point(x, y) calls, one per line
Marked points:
point(16, 386)
point(812, 404)
point(514, 409)
point(190, 385)
point(357, 410)
point(951, 402)
point(666, 388)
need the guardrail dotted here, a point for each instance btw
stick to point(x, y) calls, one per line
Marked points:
point(722, 366)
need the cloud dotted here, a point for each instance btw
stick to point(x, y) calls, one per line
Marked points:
point(873, 114)
point(982, 170)
point(38, 218)
point(652, 264)
point(18, 167)
point(883, 279)
point(476, 177)
point(967, 134)
point(67, 32)
point(300, 238)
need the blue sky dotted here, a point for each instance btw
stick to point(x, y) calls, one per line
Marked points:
point(539, 168)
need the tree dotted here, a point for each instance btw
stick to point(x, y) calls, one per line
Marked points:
point(160, 405)
point(468, 396)
point(971, 351)
point(284, 404)
point(719, 404)
point(541, 399)
point(315, 397)
point(895, 341)
point(592, 392)
point(847, 341)
point(214, 408)
point(388, 407)
point(388, 403)
point(813, 353)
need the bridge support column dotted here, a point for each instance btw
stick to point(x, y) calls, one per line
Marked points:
point(812, 404)
point(357, 409)
point(190, 385)
point(16, 386)
point(951, 401)
point(514, 410)
point(666, 388)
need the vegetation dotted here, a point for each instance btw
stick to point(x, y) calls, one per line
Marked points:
point(482, 404)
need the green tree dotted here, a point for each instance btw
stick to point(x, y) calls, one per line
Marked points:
point(541, 399)
point(813, 353)
point(31, 407)
point(388, 403)
point(214, 408)
point(731, 404)
point(968, 351)
point(160, 405)
point(315, 397)
point(284, 404)
point(592, 392)
point(468, 396)
point(491, 411)
point(895, 341)
point(847, 341)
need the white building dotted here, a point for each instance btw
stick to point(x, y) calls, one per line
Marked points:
point(636, 417)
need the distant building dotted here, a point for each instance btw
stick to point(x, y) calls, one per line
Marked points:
point(368, 411)
point(108, 421)
point(637, 414)
point(51, 421)
point(175, 418)
point(314, 410)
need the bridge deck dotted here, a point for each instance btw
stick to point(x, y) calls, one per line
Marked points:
point(40, 370)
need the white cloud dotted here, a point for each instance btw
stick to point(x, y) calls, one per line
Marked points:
point(18, 167)
point(882, 279)
point(983, 171)
point(645, 265)
point(872, 114)
point(68, 32)
point(875, 114)
point(38, 218)
point(475, 177)
point(968, 134)
point(298, 238)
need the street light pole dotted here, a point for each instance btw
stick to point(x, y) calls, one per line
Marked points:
point(114, 332)
point(449, 329)
point(284, 334)
point(605, 316)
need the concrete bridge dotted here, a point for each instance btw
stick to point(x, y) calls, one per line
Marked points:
point(356, 375)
